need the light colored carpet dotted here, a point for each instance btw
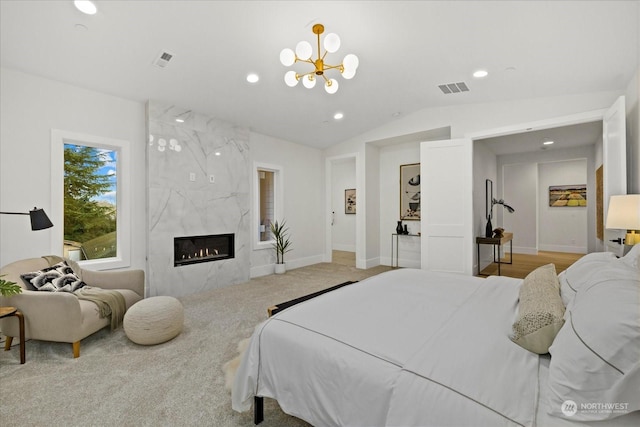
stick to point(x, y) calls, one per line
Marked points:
point(178, 383)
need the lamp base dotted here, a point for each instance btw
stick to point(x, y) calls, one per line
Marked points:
point(632, 238)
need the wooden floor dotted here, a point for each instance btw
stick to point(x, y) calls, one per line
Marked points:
point(524, 264)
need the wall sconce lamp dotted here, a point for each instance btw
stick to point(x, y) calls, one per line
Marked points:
point(39, 219)
point(624, 214)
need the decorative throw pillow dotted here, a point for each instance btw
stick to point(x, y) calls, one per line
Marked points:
point(540, 310)
point(57, 278)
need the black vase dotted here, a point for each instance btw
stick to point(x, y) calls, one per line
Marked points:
point(399, 227)
point(489, 230)
point(405, 231)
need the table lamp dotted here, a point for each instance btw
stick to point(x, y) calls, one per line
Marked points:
point(624, 214)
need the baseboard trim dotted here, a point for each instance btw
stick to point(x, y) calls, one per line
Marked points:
point(267, 269)
point(561, 248)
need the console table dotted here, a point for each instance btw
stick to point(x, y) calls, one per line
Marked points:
point(496, 242)
point(394, 236)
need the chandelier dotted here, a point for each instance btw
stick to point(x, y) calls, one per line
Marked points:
point(304, 52)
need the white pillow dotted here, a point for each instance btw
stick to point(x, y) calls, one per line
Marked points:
point(595, 358)
point(580, 273)
point(632, 258)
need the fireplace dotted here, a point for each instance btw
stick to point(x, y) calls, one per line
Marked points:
point(196, 249)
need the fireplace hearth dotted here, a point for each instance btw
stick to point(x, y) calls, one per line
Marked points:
point(196, 249)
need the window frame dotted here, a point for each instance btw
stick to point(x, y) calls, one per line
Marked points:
point(277, 201)
point(123, 195)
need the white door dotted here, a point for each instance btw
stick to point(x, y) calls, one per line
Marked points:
point(614, 160)
point(446, 169)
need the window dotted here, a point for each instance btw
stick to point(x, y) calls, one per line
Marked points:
point(90, 199)
point(267, 202)
point(90, 202)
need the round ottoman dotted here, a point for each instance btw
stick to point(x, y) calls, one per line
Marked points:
point(154, 320)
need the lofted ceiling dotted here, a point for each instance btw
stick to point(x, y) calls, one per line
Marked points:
point(406, 49)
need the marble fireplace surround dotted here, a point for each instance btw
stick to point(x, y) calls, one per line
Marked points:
point(198, 184)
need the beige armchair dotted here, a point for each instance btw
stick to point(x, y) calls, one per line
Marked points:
point(61, 316)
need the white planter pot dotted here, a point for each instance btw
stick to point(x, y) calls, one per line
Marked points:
point(281, 268)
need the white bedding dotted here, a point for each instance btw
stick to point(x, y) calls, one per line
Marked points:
point(404, 348)
point(369, 353)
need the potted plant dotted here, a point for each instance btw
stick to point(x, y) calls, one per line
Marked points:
point(8, 288)
point(282, 244)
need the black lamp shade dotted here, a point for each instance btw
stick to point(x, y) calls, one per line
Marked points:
point(39, 219)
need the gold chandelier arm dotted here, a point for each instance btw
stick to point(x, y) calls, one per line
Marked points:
point(334, 67)
point(299, 76)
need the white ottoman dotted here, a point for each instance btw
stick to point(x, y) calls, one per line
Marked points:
point(154, 320)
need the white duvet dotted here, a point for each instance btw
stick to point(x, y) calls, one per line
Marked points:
point(404, 348)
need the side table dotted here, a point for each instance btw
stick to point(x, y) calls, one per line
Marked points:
point(496, 241)
point(12, 311)
point(396, 237)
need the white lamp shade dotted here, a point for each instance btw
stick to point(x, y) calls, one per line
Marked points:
point(350, 62)
point(290, 78)
point(331, 88)
point(624, 212)
point(303, 50)
point(287, 57)
point(332, 42)
point(309, 81)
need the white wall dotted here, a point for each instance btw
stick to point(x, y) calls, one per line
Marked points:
point(632, 107)
point(484, 167)
point(30, 107)
point(303, 182)
point(519, 188)
point(391, 157)
point(562, 229)
point(586, 156)
point(344, 225)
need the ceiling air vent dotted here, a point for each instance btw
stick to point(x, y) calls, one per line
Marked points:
point(163, 59)
point(454, 88)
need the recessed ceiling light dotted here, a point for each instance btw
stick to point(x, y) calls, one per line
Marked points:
point(480, 74)
point(180, 120)
point(338, 116)
point(217, 153)
point(85, 6)
point(253, 78)
point(548, 142)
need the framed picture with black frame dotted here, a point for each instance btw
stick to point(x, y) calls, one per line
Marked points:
point(350, 201)
point(410, 191)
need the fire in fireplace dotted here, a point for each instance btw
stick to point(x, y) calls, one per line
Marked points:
point(195, 249)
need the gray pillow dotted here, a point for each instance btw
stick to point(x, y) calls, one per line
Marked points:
point(540, 310)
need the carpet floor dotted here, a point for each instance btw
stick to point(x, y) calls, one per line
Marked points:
point(116, 382)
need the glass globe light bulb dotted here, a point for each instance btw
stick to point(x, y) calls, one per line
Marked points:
point(331, 86)
point(348, 73)
point(303, 50)
point(309, 81)
point(290, 78)
point(287, 57)
point(332, 42)
point(350, 62)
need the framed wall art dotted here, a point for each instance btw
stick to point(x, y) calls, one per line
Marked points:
point(568, 196)
point(350, 201)
point(410, 191)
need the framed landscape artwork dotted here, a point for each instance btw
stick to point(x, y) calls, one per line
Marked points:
point(350, 201)
point(410, 191)
point(568, 196)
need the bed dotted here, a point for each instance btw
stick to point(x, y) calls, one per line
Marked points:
point(416, 348)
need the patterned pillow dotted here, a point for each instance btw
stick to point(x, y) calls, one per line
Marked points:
point(540, 310)
point(57, 278)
